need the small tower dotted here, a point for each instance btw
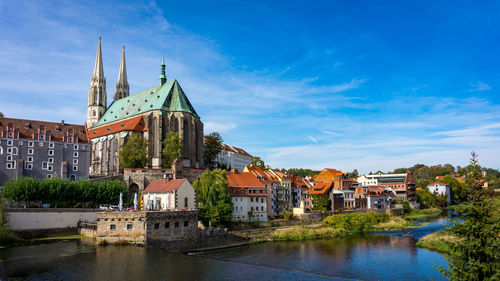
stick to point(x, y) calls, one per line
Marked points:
point(163, 77)
point(121, 89)
point(97, 92)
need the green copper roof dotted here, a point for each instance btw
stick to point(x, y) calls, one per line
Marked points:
point(169, 97)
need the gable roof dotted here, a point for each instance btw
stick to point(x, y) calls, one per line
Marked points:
point(168, 97)
point(262, 175)
point(321, 188)
point(327, 175)
point(165, 185)
point(235, 149)
point(27, 129)
point(136, 123)
point(244, 179)
point(438, 183)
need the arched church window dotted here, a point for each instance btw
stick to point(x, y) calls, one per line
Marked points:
point(185, 202)
point(196, 141)
point(185, 138)
point(155, 136)
point(94, 113)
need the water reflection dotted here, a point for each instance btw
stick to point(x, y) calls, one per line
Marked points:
point(369, 257)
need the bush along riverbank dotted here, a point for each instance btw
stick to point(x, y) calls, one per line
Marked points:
point(339, 225)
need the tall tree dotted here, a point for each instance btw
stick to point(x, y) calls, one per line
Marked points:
point(134, 153)
point(172, 149)
point(256, 161)
point(212, 148)
point(476, 253)
point(214, 201)
point(1, 115)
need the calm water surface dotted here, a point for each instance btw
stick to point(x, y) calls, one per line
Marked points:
point(387, 256)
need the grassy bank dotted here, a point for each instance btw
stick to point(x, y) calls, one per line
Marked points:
point(61, 237)
point(422, 213)
point(437, 241)
point(335, 226)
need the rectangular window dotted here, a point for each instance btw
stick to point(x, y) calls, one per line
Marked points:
point(129, 226)
point(31, 151)
point(112, 227)
point(10, 142)
point(75, 147)
point(30, 144)
point(51, 145)
point(251, 199)
point(50, 168)
point(167, 225)
point(51, 152)
point(51, 160)
point(75, 161)
point(176, 224)
point(186, 223)
point(9, 157)
point(157, 225)
point(9, 165)
point(9, 150)
point(29, 166)
point(44, 165)
point(40, 143)
point(75, 168)
point(75, 154)
point(72, 177)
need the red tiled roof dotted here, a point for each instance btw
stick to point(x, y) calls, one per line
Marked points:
point(327, 175)
point(162, 186)
point(321, 188)
point(27, 129)
point(235, 149)
point(299, 182)
point(133, 124)
point(376, 190)
point(263, 175)
point(245, 179)
point(438, 183)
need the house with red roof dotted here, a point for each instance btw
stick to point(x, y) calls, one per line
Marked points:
point(249, 197)
point(440, 188)
point(275, 199)
point(169, 194)
point(233, 157)
point(377, 197)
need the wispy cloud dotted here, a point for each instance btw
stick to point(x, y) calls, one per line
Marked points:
point(479, 86)
point(331, 133)
point(312, 139)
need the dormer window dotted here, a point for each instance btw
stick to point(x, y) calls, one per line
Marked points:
point(10, 131)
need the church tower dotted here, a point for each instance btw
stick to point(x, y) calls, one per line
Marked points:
point(121, 89)
point(97, 92)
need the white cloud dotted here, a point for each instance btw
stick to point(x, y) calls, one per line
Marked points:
point(331, 133)
point(479, 86)
point(218, 127)
point(312, 139)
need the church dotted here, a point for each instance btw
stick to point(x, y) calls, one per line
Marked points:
point(151, 113)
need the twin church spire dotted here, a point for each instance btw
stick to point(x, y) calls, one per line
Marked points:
point(97, 104)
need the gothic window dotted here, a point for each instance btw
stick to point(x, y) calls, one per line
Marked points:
point(164, 128)
point(155, 137)
point(196, 141)
point(176, 125)
point(94, 113)
point(185, 138)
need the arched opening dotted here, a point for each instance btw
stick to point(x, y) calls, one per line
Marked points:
point(164, 128)
point(133, 188)
point(185, 138)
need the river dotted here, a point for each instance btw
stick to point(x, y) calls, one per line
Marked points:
point(381, 256)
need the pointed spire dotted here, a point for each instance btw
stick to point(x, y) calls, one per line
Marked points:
point(163, 77)
point(122, 89)
point(98, 69)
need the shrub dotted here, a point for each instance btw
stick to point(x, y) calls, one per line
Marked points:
point(355, 222)
point(287, 215)
point(406, 207)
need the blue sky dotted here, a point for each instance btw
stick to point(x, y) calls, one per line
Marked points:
point(342, 84)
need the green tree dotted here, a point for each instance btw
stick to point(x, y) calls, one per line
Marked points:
point(475, 255)
point(256, 161)
point(134, 153)
point(172, 149)
point(212, 146)
point(1, 115)
point(353, 175)
point(214, 201)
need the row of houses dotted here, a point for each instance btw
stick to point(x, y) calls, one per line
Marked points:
point(259, 194)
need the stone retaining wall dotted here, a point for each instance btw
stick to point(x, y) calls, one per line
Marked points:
point(35, 219)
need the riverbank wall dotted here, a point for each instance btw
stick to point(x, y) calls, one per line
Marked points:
point(42, 222)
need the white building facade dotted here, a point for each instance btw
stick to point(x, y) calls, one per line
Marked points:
point(249, 197)
point(169, 195)
point(441, 189)
point(233, 157)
